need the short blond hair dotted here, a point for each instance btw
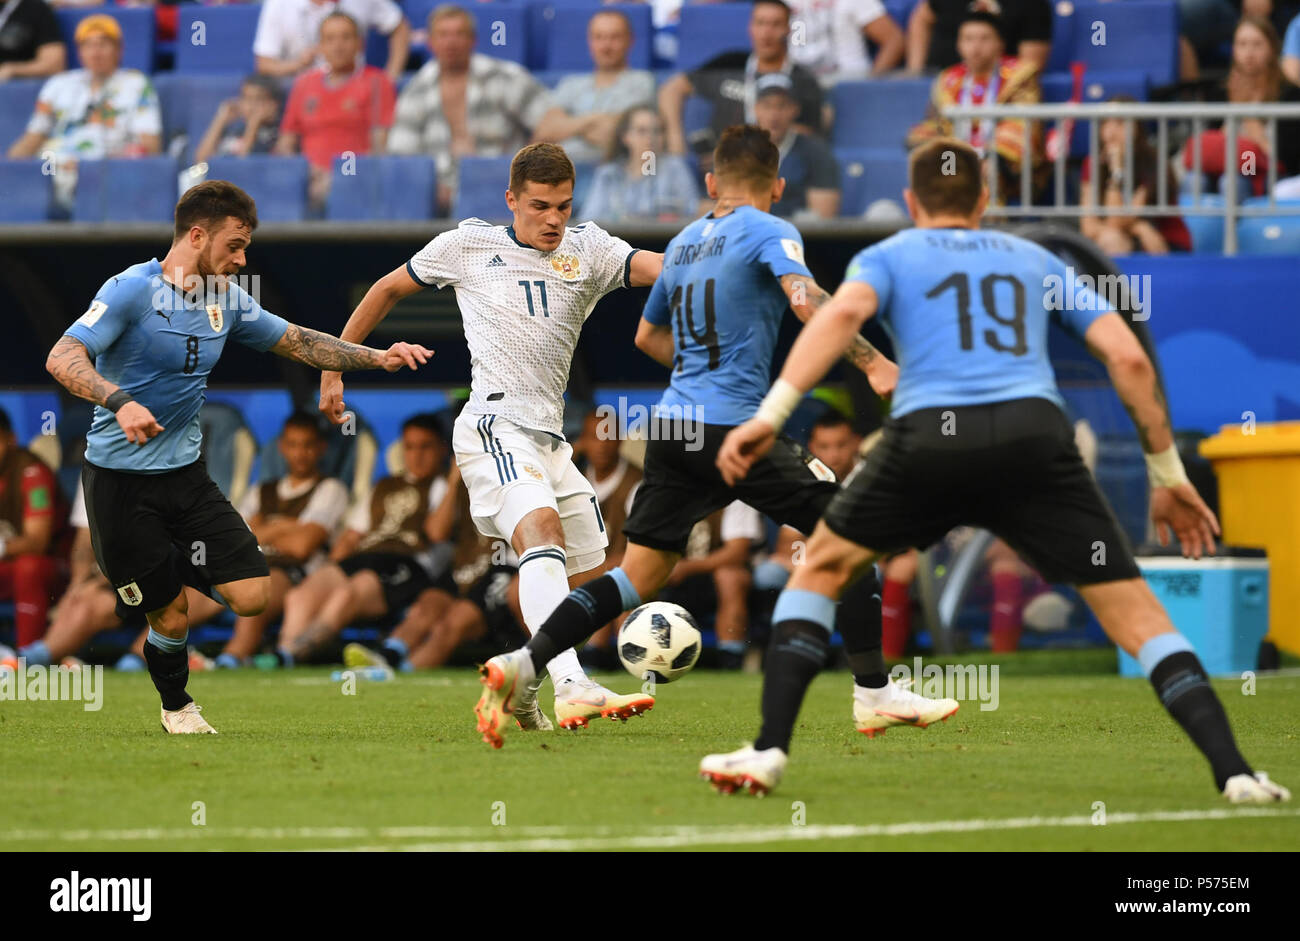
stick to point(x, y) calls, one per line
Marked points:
point(445, 11)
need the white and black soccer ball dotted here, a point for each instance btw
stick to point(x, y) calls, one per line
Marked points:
point(661, 639)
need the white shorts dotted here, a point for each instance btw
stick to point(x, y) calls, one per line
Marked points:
point(511, 471)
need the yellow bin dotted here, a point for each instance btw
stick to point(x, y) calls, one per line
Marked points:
point(1259, 505)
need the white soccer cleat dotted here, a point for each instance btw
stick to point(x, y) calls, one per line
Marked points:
point(580, 700)
point(504, 678)
point(875, 710)
point(529, 715)
point(745, 770)
point(1243, 789)
point(186, 721)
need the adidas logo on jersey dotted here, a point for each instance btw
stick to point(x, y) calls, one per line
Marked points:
point(496, 262)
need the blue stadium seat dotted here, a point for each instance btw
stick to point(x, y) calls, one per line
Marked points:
point(1098, 87)
point(1137, 32)
point(376, 49)
point(707, 31)
point(17, 102)
point(566, 45)
point(868, 174)
point(1064, 16)
point(1206, 231)
point(278, 184)
point(202, 94)
point(483, 182)
point(132, 189)
point(502, 27)
point(1273, 235)
point(137, 33)
point(217, 38)
point(382, 188)
point(538, 16)
point(879, 112)
point(228, 448)
point(27, 191)
point(697, 114)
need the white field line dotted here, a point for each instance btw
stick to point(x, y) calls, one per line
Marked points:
point(591, 838)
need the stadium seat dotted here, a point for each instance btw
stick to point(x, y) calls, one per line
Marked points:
point(343, 455)
point(1063, 22)
point(376, 49)
point(382, 188)
point(1271, 235)
point(17, 102)
point(868, 174)
point(1206, 231)
point(196, 99)
point(27, 191)
point(566, 44)
point(228, 448)
point(538, 16)
point(1137, 32)
point(482, 185)
point(130, 189)
point(697, 114)
point(706, 31)
point(877, 113)
point(1098, 87)
point(278, 184)
point(502, 28)
point(137, 33)
point(217, 38)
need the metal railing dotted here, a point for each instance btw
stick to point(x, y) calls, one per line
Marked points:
point(1065, 114)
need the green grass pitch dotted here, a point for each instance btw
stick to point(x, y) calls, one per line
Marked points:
point(299, 765)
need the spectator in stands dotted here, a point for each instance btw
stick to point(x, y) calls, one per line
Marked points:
point(1255, 76)
point(464, 104)
point(96, 111)
point(31, 45)
point(934, 24)
point(384, 559)
point(249, 124)
point(476, 600)
point(288, 31)
point(829, 38)
point(34, 535)
point(1123, 235)
point(812, 177)
point(602, 96)
point(729, 82)
point(1205, 25)
point(1291, 51)
point(293, 518)
point(641, 181)
point(986, 75)
point(713, 575)
point(345, 107)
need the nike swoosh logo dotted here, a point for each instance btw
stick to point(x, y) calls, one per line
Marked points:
point(914, 717)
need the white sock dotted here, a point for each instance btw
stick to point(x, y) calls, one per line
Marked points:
point(543, 584)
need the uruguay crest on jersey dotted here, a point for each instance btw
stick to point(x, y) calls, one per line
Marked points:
point(214, 317)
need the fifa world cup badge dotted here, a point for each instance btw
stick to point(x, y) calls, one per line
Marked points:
point(566, 266)
point(214, 317)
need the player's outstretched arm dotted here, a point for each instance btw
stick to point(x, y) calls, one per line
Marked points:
point(69, 363)
point(1175, 504)
point(374, 307)
point(655, 341)
point(327, 352)
point(644, 269)
point(823, 339)
point(806, 298)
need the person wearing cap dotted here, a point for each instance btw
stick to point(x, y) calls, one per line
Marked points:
point(933, 26)
point(31, 45)
point(728, 81)
point(96, 111)
point(985, 76)
point(812, 178)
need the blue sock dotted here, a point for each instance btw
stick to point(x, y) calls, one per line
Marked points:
point(130, 663)
point(167, 644)
point(733, 646)
point(228, 661)
point(36, 653)
point(286, 658)
point(397, 645)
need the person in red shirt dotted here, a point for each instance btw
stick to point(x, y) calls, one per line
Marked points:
point(34, 535)
point(344, 107)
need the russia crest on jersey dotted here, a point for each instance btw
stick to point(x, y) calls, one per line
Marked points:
point(214, 317)
point(565, 265)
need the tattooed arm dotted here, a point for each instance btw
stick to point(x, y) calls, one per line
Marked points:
point(806, 298)
point(69, 363)
point(329, 352)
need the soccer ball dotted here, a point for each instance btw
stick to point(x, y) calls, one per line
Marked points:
point(661, 639)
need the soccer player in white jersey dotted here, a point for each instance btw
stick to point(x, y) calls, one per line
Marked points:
point(524, 292)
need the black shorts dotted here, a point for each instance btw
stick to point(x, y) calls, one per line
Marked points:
point(400, 576)
point(155, 533)
point(1009, 467)
point(682, 487)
